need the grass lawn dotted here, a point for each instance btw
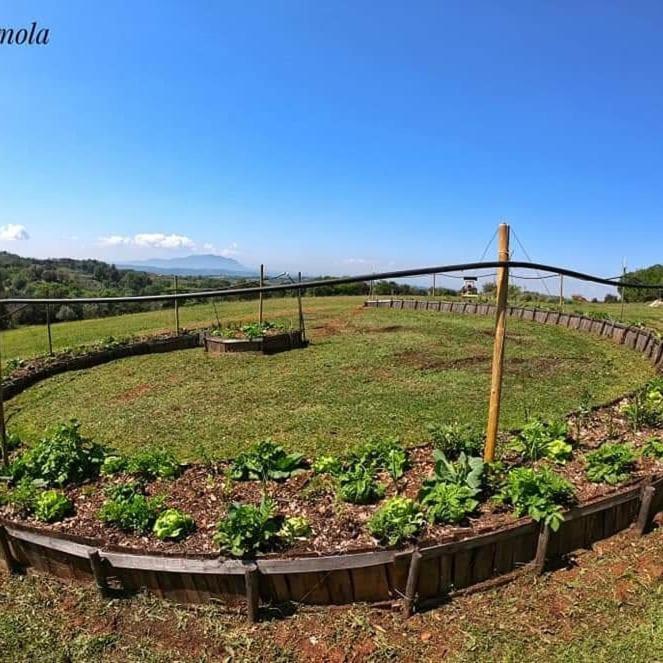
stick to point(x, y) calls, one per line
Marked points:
point(606, 606)
point(367, 372)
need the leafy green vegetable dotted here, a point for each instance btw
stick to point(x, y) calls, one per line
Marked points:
point(454, 439)
point(172, 524)
point(24, 495)
point(399, 519)
point(52, 506)
point(539, 439)
point(611, 463)
point(462, 472)
point(539, 493)
point(359, 486)
point(294, 528)
point(266, 460)
point(653, 448)
point(645, 408)
point(380, 454)
point(248, 529)
point(130, 510)
point(448, 502)
point(113, 464)
point(153, 463)
point(62, 458)
point(327, 465)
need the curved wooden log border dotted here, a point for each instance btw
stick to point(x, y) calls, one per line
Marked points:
point(421, 575)
point(645, 341)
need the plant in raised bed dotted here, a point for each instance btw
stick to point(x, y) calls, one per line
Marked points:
point(454, 439)
point(358, 485)
point(295, 528)
point(327, 465)
point(611, 464)
point(539, 439)
point(248, 529)
point(266, 460)
point(63, 457)
point(129, 509)
point(466, 471)
point(173, 524)
point(52, 506)
point(153, 463)
point(539, 493)
point(380, 454)
point(23, 496)
point(14, 363)
point(448, 502)
point(653, 448)
point(645, 408)
point(113, 464)
point(398, 520)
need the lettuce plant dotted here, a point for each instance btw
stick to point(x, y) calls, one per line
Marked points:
point(266, 460)
point(52, 506)
point(172, 524)
point(399, 519)
point(610, 463)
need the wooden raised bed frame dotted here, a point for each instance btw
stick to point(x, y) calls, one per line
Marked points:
point(269, 344)
point(415, 576)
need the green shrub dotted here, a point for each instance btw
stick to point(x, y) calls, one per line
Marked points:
point(63, 457)
point(266, 460)
point(645, 408)
point(539, 439)
point(380, 454)
point(359, 486)
point(454, 439)
point(13, 441)
point(153, 463)
point(611, 463)
point(248, 529)
point(172, 524)
point(52, 506)
point(653, 448)
point(399, 519)
point(327, 465)
point(448, 502)
point(113, 465)
point(539, 493)
point(466, 471)
point(130, 510)
point(23, 496)
point(293, 529)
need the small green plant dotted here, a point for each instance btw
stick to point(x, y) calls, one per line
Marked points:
point(448, 502)
point(172, 524)
point(23, 496)
point(113, 464)
point(466, 471)
point(52, 506)
point(295, 528)
point(645, 408)
point(454, 439)
point(14, 363)
point(380, 454)
point(539, 493)
point(248, 529)
point(13, 441)
point(610, 463)
point(653, 448)
point(266, 460)
point(539, 439)
point(398, 520)
point(153, 463)
point(63, 457)
point(129, 509)
point(327, 465)
point(359, 486)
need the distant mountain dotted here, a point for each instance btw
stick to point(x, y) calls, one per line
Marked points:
point(194, 265)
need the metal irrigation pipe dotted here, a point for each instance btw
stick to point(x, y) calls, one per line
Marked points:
point(305, 285)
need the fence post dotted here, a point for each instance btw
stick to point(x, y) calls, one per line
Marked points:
point(498, 345)
point(411, 584)
point(301, 311)
point(48, 328)
point(262, 283)
point(177, 307)
point(252, 594)
point(644, 514)
point(4, 452)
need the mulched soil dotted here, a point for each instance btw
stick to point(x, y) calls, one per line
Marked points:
point(337, 527)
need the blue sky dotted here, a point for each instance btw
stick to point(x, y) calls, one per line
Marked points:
point(334, 136)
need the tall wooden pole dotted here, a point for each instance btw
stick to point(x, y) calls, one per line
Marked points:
point(301, 310)
point(561, 292)
point(3, 430)
point(433, 286)
point(262, 283)
point(498, 346)
point(177, 308)
point(621, 313)
point(48, 328)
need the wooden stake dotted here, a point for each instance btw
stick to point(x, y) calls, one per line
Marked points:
point(6, 553)
point(433, 286)
point(301, 311)
point(498, 345)
point(561, 292)
point(177, 308)
point(411, 584)
point(542, 550)
point(3, 429)
point(252, 594)
point(645, 509)
point(98, 571)
point(262, 283)
point(48, 328)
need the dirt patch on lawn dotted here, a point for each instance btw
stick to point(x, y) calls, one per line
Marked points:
point(134, 393)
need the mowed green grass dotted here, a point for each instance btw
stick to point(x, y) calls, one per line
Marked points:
point(367, 372)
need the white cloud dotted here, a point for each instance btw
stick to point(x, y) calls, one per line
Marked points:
point(163, 241)
point(230, 251)
point(358, 261)
point(150, 240)
point(12, 232)
point(208, 247)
